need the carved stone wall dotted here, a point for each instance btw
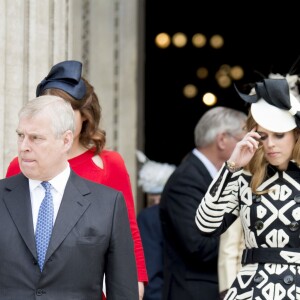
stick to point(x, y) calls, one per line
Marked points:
point(103, 34)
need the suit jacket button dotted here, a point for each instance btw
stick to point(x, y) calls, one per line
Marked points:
point(39, 292)
point(294, 226)
point(288, 279)
point(297, 198)
point(258, 278)
point(259, 225)
point(256, 198)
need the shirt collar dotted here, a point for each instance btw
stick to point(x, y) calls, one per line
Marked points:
point(58, 182)
point(207, 163)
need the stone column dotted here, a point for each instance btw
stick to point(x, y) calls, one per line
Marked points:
point(102, 34)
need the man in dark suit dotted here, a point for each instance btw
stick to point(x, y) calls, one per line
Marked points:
point(190, 265)
point(89, 229)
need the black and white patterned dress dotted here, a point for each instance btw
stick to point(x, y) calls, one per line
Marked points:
point(271, 225)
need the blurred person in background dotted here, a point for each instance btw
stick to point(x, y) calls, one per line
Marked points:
point(152, 177)
point(231, 249)
point(190, 259)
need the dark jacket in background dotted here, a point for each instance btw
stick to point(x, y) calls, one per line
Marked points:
point(190, 266)
point(152, 239)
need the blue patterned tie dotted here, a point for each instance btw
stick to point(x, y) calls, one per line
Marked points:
point(44, 224)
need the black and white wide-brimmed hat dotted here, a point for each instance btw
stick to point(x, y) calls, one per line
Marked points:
point(273, 106)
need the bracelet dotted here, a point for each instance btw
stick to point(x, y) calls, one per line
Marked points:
point(231, 166)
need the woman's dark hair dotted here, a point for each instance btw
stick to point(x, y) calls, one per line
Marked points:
point(91, 134)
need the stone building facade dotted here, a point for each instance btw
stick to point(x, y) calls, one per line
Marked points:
point(106, 35)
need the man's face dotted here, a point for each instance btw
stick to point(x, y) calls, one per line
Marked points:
point(41, 154)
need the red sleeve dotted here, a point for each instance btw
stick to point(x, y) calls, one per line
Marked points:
point(118, 178)
point(13, 168)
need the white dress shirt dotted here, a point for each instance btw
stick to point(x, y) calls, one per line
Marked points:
point(207, 163)
point(37, 193)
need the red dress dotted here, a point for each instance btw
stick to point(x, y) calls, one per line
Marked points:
point(114, 174)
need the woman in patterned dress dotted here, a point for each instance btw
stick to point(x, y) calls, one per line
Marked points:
point(260, 183)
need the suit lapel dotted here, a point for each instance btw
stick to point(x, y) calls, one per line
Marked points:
point(73, 205)
point(17, 201)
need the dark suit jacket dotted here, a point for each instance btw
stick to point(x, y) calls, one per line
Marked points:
point(152, 239)
point(190, 268)
point(91, 235)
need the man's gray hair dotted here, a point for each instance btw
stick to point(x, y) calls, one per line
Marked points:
point(218, 120)
point(57, 109)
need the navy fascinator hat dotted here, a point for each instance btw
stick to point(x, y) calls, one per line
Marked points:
point(273, 106)
point(65, 76)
